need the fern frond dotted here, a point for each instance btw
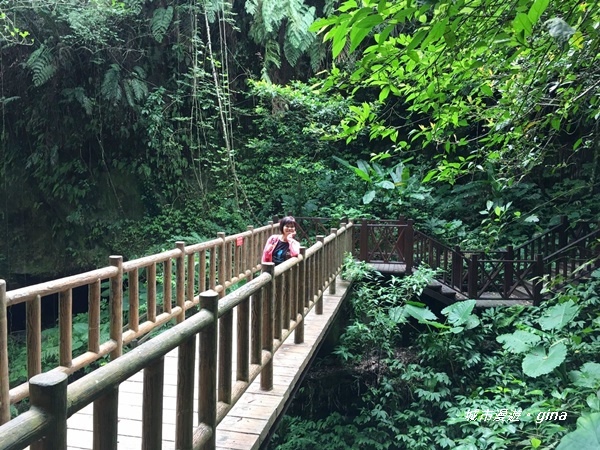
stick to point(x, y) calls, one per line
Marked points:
point(140, 90)
point(111, 89)
point(316, 54)
point(251, 6)
point(161, 20)
point(273, 13)
point(41, 63)
point(272, 54)
point(298, 38)
point(78, 94)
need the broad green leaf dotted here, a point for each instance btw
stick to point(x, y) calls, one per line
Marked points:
point(386, 185)
point(458, 313)
point(348, 5)
point(537, 362)
point(593, 401)
point(522, 24)
point(368, 197)
point(357, 35)
point(558, 316)
point(420, 313)
point(588, 376)
point(339, 41)
point(537, 9)
point(518, 342)
point(487, 90)
point(384, 93)
point(434, 35)
point(585, 437)
point(417, 39)
point(450, 38)
point(397, 314)
point(361, 173)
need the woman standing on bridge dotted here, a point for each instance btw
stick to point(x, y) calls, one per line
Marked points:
point(280, 247)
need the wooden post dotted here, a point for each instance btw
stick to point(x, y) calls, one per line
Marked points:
point(48, 393)
point(409, 242)
point(180, 280)
point(201, 271)
point(320, 259)
point(364, 241)
point(184, 421)
point(4, 385)
point(94, 317)
point(106, 420)
point(65, 326)
point(225, 330)
point(207, 379)
point(191, 277)
point(212, 269)
point(472, 277)
point(134, 300)
point(225, 360)
point(151, 292)
point(266, 375)
point(152, 405)
point(167, 288)
point(250, 251)
point(562, 234)
point(34, 336)
point(457, 268)
point(279, 287)
point(509, 267)
point(300, 298)
point(332, 262)
point(221, 278)
point(538, 281)
point(116, 307)
point(243, 315)
point(256, 327)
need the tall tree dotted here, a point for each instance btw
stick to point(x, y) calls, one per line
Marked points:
point(482, 85)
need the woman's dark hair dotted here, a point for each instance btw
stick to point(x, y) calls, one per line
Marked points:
point(285, 221)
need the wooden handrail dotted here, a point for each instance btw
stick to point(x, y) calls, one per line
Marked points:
point(101, 385)
point(511, 273)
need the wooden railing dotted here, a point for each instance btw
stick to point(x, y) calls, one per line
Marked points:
point(512, 273)
point(271, 305)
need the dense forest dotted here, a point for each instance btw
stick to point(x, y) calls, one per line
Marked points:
point(130, 124)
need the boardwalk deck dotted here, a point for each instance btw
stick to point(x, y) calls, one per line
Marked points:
point(249, 421)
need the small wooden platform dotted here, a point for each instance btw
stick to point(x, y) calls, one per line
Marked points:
point(249, 421)
point(446, 295)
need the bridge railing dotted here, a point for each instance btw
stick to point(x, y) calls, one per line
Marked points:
point(511, 273)
point(164, 285)
point(269, 307)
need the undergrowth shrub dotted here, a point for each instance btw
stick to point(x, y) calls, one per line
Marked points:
point(513, 377)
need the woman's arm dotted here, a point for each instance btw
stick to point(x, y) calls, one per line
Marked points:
point(294, 246)
point(267, 255)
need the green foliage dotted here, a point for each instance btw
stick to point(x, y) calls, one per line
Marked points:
point(496, 89)
point(41, 63)
point(454, 386)
point(542, 359)
point(161, 20)
point(273, 18)
point(586, 436)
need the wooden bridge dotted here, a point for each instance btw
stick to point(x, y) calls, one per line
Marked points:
point(244, 331)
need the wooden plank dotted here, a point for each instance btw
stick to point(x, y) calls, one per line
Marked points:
point(249, 421)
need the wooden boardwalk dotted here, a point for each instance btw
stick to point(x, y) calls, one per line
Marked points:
point(249, 421)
